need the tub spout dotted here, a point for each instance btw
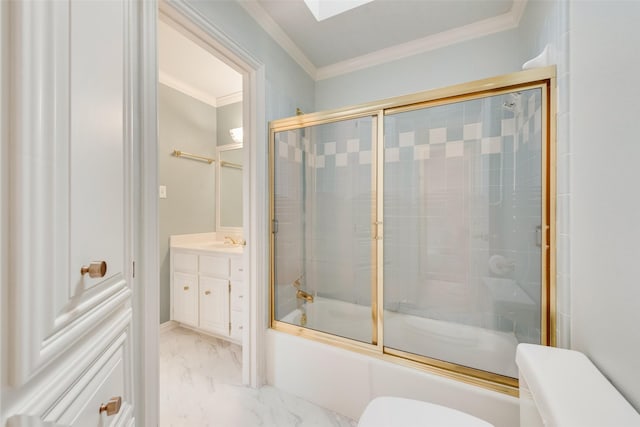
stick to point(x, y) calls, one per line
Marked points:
point(300, 294)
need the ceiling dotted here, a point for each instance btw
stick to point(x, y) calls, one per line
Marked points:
point(185, 66)
point(375, 25)
point(373, 33)
point(379, 31)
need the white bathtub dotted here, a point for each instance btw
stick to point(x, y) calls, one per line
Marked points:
point(473, 346)
point(335, 317)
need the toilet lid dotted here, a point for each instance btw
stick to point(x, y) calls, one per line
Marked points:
point(395, 411)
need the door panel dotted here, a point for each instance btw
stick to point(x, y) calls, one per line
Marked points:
point(96, 140)
point(185, 298)
point(214, 305)
point(70, 189)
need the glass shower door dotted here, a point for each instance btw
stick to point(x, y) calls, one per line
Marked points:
point(463, 217)
point(323, 207)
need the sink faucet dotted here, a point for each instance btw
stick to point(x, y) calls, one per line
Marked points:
point(230, 240)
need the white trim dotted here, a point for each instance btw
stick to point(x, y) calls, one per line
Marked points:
point(186, 88)
point(496, 24)
point(4, 176)
point(168, 325)
point(232, 98)
point(277, 33)
point(504, 22)
point(145, 285)
point(256, 155)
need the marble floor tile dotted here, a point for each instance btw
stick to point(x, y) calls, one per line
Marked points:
point(201, 385)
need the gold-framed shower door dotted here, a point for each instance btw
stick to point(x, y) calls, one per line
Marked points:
point(540, 78)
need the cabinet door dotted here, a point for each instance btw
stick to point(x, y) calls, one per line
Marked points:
point(72, 76)
point(185, 298)
point(214, 305)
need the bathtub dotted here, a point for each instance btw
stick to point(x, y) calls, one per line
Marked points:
point(335, 317)
point(468, 345)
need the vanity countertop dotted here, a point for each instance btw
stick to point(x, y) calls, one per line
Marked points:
point(205, 242)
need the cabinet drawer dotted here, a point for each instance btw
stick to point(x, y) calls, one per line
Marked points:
point(104, 380)
point(236, 325)
point(217, 266)
point(237, 295)
point(185, 262)
point(237, 268)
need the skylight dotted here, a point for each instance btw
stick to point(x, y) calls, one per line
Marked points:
point(323, 9)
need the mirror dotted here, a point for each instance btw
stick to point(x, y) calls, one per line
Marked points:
point(229, 178)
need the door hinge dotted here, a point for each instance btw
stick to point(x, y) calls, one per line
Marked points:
point(133, 269)
point(229, 328)
point(229, 287)
point(274, 226)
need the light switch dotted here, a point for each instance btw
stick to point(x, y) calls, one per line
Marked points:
point(162, 192)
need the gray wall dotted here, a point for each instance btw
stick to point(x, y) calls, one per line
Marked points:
point(229, 117)
point(605, 148)
point(189, 125)
point(472, 60)
point(287, 85)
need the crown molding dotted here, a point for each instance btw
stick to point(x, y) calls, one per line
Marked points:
point(277, 33)
point(232, 98)
point(186, 88)
point(504, 22)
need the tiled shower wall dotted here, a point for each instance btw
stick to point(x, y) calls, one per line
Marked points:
point(324, 209)
point(462, 185)
point(289, 244)
point(339, 210)
point(547, 23)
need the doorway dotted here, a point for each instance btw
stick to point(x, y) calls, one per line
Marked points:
point(190, 24)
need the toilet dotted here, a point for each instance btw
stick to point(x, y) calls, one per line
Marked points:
point(558, 388)
point(400, 412)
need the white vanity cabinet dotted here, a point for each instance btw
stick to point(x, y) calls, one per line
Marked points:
point(207, 291)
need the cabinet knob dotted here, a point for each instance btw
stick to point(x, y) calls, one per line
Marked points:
point(240, 327)
point(241, 269)
point(207, 292)
point(95, 269)
point(112, 407)
point(186, 288)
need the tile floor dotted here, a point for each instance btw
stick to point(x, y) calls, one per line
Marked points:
point(201, 385)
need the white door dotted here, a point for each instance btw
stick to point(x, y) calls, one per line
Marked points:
point(68, 344)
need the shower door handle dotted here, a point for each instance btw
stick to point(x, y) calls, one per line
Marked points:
point(377, 231)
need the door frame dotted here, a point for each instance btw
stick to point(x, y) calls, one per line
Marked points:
point(194, 25)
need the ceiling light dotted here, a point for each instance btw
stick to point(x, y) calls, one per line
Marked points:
point(236, 134)
point(323, 9)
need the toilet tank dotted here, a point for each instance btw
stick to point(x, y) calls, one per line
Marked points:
point(561, 388)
